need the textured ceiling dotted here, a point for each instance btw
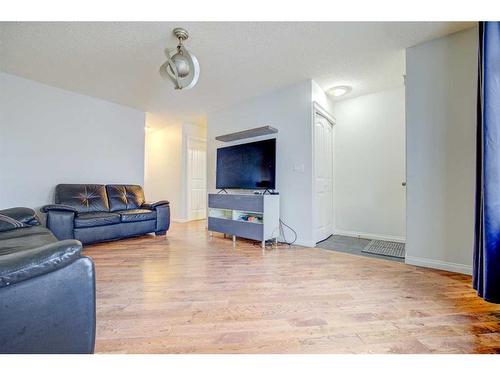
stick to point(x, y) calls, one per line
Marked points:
point(119, 61)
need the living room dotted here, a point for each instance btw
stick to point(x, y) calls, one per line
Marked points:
point(248, 187)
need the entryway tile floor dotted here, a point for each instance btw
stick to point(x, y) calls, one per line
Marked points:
point(351, 245)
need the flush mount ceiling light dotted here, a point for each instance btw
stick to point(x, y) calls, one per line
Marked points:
point(339, 90)
point(181, 67)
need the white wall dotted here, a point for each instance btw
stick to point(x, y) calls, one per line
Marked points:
point(164, 176)
point(50, 136)
point(441, 120)
point(163, 162)
point(289, 110)
point(369, 165)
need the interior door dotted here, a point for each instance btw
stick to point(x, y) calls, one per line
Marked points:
point(323, 177)
point(196, 178)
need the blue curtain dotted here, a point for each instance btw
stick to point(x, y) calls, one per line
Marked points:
point(486, 276)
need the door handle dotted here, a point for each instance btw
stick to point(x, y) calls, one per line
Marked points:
point(403, 183)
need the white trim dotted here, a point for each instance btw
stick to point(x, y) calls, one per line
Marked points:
point(317, 108)
point(180, 220)
point(306, 243)
point(370, 236)
point(439, 264)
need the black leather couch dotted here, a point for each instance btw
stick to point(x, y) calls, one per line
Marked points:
point(47, 290)
point(95, 213)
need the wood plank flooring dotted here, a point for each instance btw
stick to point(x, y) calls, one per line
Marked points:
point(189, 293)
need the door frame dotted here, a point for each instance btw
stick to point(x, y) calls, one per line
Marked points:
point(318, 110)
point(188, 138)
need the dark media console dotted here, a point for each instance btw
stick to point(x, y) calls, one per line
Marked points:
point(252, 216)
point(256, 216)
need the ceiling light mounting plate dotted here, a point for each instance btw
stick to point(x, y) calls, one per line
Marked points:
point(181, 33)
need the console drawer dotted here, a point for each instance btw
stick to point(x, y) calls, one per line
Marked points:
point(236, 228)
point(253, 203)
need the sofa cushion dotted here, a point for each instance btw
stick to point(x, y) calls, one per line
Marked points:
point(125, 197)
point(25, 238)
point(84, 198)
point(137, 215)
point(96, 219)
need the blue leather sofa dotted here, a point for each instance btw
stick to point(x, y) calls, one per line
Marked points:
point(47, 289)
point(95, 213)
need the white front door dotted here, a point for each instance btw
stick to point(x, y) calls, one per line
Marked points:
point(323, 177)
point(196, 178)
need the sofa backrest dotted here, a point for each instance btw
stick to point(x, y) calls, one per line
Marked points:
point(125, 197)
point(83, 197)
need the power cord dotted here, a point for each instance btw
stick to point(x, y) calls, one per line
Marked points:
point(282, 232)
point(281, 227)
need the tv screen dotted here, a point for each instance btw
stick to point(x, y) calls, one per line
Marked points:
point(247, 166)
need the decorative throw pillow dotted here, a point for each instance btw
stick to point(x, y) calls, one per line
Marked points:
point(8, 223)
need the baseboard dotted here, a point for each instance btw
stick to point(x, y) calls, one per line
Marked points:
point(369, 236)
point(439, 264)
point(305, 243)
point(186, 220)
point(180, 220)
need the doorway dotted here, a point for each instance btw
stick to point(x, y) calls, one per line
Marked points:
point(323, 138)
point(196, 178)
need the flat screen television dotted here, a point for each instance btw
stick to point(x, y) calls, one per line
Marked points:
point(247, 166)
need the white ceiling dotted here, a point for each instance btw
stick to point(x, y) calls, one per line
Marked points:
point(119, 61)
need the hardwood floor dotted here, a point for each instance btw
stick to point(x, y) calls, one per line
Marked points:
point(189, 293)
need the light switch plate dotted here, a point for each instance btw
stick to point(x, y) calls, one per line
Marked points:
point(299, 167)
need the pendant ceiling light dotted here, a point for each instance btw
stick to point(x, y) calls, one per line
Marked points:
point(181, 67)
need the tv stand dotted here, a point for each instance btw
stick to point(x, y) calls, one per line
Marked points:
point(268, 191)
point(251, 216)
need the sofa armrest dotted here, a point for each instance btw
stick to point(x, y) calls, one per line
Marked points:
point(24, 215)
point(52, 313)
point(57, 207)
point(61, 223)
point(162, 209)
point(153, 205)
point(162, 219)
point(27, 264)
